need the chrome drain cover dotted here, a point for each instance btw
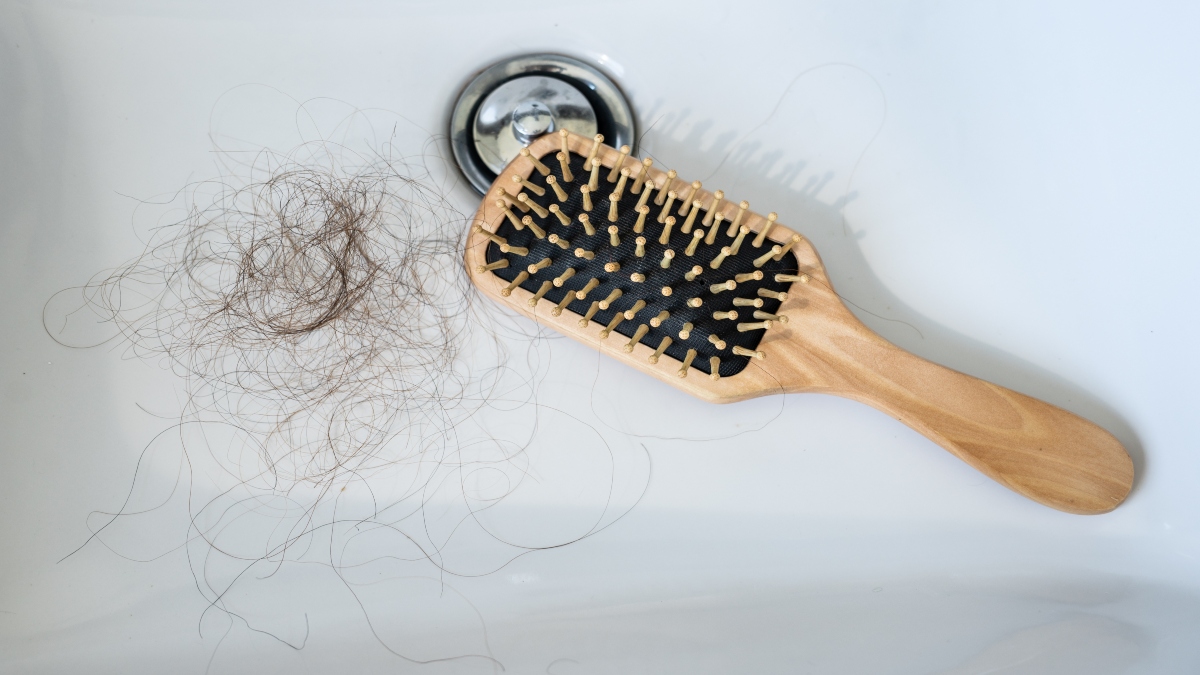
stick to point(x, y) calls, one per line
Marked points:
point(513, 102)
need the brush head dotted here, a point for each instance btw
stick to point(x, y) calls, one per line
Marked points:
point(638, 274)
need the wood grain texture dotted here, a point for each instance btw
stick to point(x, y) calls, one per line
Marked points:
point(1036, 449)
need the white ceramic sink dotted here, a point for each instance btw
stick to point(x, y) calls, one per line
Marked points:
point(1005, 189)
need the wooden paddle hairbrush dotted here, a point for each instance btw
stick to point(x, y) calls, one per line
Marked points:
point(702, 293)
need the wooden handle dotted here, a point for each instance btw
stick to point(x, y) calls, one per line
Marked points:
point(1038, 450)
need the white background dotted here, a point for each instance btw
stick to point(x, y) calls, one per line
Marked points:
point(1004, 188)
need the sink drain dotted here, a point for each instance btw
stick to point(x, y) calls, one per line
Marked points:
point(518, 99)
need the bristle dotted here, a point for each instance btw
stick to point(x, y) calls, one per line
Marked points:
point(691, 217)
point(539, 265)
point(616, 168)
point(594, 179)
point(637, 337)
point(641, 219)
point(767, 316)
point(722, 287)
point(612, 266)
point(668, 255)
point(715, 208)
point(612, 325)
point(687, 362)
point(741, 236)
point(584, 253)
point(695, 302)
point(587, 223)
point(762, 325)
point(667, 291)
point(517, 281)
point(712, 235)
point(774, 295)
point(665, 190)
point(587, 200)
point(788, 278)
point(716, 262)
point(641, 203)
point(762, 259)
point(511, 200)
point(737, 220)
point(714, 368)
point(500, 241)
point(637, 277)
point(612, 207)
point(788, 246)
point(546, 286)
point(538, 232)
point(512, 218)
point(559, 241)
point(691, 195)
point(562, 278)
point(747, 302)
point(587, 317)
point(612, 297)
point(541, 168)
point(582, 293)
point(562, 217)
point(756, 275)
point(766, 229)
point(662, 215)
point(716, 341)
point(515, 250)
point(731, 315)
point(620, 191)
point(693, 273)
point(742, 351)
point(563, 135)
point(665, 237)
point(535, 189)
point(537, 208)
point(640, 247)
point(641, 179)
point(691, 247)
point(558, 191)
point(613, 239)
point(562, 304)
point(632, 311)
point(591, 158)
point(662, 347)
point(659, 318)
point(685, 331)
point(498, 265)
point(564, 162)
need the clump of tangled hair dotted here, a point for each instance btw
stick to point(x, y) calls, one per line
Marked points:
point(312, 308)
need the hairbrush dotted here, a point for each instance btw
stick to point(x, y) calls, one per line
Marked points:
point(694, 289)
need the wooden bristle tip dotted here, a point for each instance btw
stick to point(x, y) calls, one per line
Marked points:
point(637, 337)
point(541, 292)
point(742, 351)
point(520, 279)
point(558, 191)
point(498, 265)
point(662, 347)
point(691, 195)
point(766, 229)
point(747, 302)
point(537, 164)
point(616, 169)
point(564, 162)
point(535, 189)
point(715, 208)
point(687, 362)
